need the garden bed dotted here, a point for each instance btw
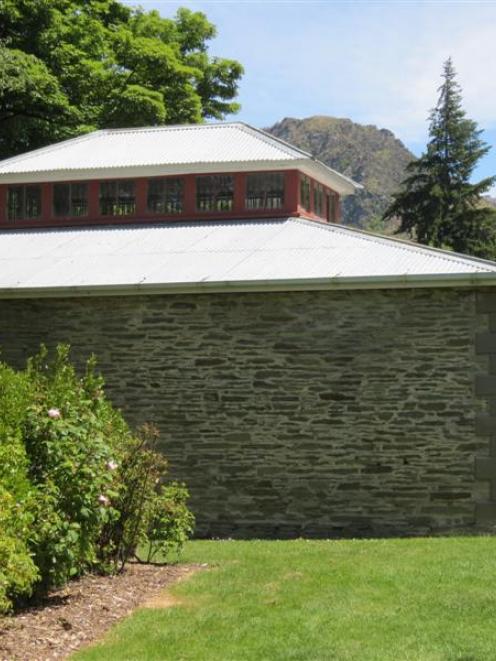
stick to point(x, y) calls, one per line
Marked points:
point(82, 611)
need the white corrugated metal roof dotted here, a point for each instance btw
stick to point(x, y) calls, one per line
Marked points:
point(166, 149)
point(166, 145)
point(280, 253)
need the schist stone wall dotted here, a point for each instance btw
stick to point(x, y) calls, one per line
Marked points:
point(304, 413)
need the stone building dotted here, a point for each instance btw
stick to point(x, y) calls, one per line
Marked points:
point(307, 378)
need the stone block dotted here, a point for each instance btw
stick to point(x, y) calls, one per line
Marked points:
point(485, 513)
point(485, 425)
point(485, 385)
point(485, 343)
point(486, 302)
point(485, 468)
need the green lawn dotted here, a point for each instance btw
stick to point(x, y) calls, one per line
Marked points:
point(409, 599)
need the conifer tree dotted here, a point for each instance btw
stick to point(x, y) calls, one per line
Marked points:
point(438, 205)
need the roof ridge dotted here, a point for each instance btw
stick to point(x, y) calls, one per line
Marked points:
point(446, 255)
point(270, 139)
point(171, 127)
point(244, 126)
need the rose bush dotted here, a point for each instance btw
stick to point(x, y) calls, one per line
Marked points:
point(79, 485)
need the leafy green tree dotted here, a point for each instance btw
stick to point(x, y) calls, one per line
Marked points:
point(438, 205)
point(70, 66)
point(33, 108)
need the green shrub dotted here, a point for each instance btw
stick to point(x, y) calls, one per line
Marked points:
point(18, 572)
point(15, 397)
point(151, 515)
point(66, 435)
point(79, 491)
point(169, 522)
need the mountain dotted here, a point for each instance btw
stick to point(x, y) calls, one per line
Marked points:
point(371, 156)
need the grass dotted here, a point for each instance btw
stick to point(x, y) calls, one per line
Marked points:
point(408, 599)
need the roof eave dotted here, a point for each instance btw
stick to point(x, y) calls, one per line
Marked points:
point(144, 171)
point(325, 175)
point(406, 281)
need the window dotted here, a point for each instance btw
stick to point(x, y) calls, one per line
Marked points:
point(318, 200)
point(214, 193)
point(117, 198)
point(70, 200)
point(332, 207)
point(305, 192)
point(23, 202)
point(165, 195)
point(264, 190)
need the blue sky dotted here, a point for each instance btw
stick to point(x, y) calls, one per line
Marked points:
point(376, 62)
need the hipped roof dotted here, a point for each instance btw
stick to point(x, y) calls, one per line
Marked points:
point(232, 255)
point(153, 151)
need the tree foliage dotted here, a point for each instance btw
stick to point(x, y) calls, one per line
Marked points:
point(70, 66)
point(438, 205)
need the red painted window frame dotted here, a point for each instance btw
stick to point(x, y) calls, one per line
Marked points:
point(4, 202)
point(52, 215)
point(310, 213)
point(290, 207)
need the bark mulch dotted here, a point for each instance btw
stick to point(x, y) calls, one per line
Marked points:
point(82, 611)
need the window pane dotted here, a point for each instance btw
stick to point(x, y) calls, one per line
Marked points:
point(174, 196)
point(33, 201)
point(23, 202)
point(165, 195)
point(214, 193)
point(156, 194)
point(318, 200)
point(125, 202)
point(264, 190)
point(117, 198)
point(107, 197)
point(61, 199)
point(204, 194)
point(15, 203)
point(305, 192)
point(79, 200)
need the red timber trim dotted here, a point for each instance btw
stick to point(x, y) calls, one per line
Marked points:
point(337, 202)
point(93, 204)
point(292, 192)
point(239, 194)
point(140, 192)
point(310, 213)
point(291, 205)
point(3, 206)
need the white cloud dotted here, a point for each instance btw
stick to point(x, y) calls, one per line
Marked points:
point(376, 62)
point(417, 79)
point(388, 67)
